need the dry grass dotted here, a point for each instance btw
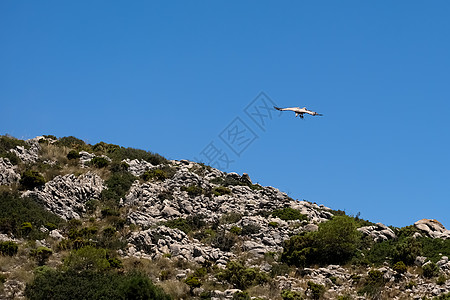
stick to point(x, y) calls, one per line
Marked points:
point(175, 288)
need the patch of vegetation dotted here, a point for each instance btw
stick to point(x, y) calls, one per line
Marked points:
point(224, 240)
point(99, 162)
point(31, 179)
point(241, 277)
point(73, 154)
point(8, 248)
point(220, 191)
point(72, 142)
point(161, 174)
point(399, 267)
point(316, 290)
point(187, 225)
point(335, 242)
point(6, 144)
point(193, 190)
point(50, 284)
point(430, 270)
point(288, 213)
point(250, 229)
point(118, 185)
point(291, 295)
point(15, 211)
point(230, 181)
point(373, 284)
point(236, 230)
point(230, 218)
point(118, 153)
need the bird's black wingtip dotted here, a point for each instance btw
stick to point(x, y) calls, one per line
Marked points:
point(277, 108)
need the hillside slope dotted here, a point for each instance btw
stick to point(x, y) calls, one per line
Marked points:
point(75, 217)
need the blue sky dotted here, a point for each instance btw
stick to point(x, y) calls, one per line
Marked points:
point(172, 77)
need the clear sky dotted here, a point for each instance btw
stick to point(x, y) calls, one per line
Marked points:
point(184, 79)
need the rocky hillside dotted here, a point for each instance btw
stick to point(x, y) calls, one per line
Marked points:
point(107, 222)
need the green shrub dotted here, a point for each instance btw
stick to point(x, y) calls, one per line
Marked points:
point(273, 224)
point(241, 277)
point(108, 211)
point(230, 218)
point(373, 285)
point(221, 190)
point(8, 248)
point(335, 242)
point(399, 267)
point(288, 213)
point(31, 179)
point(161, 173)
point(157, 174)
point(442, 297)
point(99, 162)
point(193, 282)
point(187, 225)
point(291, 295)
point(224, 241)
point(441, 280)
point(15, 210)
point(193, 190)
point(118, 153)
point(236, 230)
point(241, 296)
point(71, 142)
point(317, 290)
point(73, 154)
point(50, 284)
point(118, 185)
point(430, 270)
point(41, 254)
point(250, 229)
point(26, 228)
point(87, 258)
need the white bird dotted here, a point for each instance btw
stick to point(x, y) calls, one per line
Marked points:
point(299, 111)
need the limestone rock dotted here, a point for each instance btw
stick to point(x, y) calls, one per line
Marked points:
point(8, 174)
point(66, 195)
point(432, 228)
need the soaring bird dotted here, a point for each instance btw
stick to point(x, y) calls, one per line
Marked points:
point(299, 111)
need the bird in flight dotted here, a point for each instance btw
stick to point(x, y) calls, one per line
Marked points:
point(299, 111)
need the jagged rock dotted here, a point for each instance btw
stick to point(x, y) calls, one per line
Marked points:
point(56, 234)
point(30, 155)
point(66, 195)
point(163, 240)
point(8, 173)
point(420, 260)
point(86, 157)
point(432, 228)
point(378, 233)
point(138, 167)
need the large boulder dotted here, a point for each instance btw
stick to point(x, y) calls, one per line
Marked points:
point(432, 228)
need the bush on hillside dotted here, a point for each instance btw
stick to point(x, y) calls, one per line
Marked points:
point(118, 185)
point(15, 211)
point(8, 248)
point(288, 213)
point(50, 284)
point(31, 179)
point(335, 242)
point(241, 277)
